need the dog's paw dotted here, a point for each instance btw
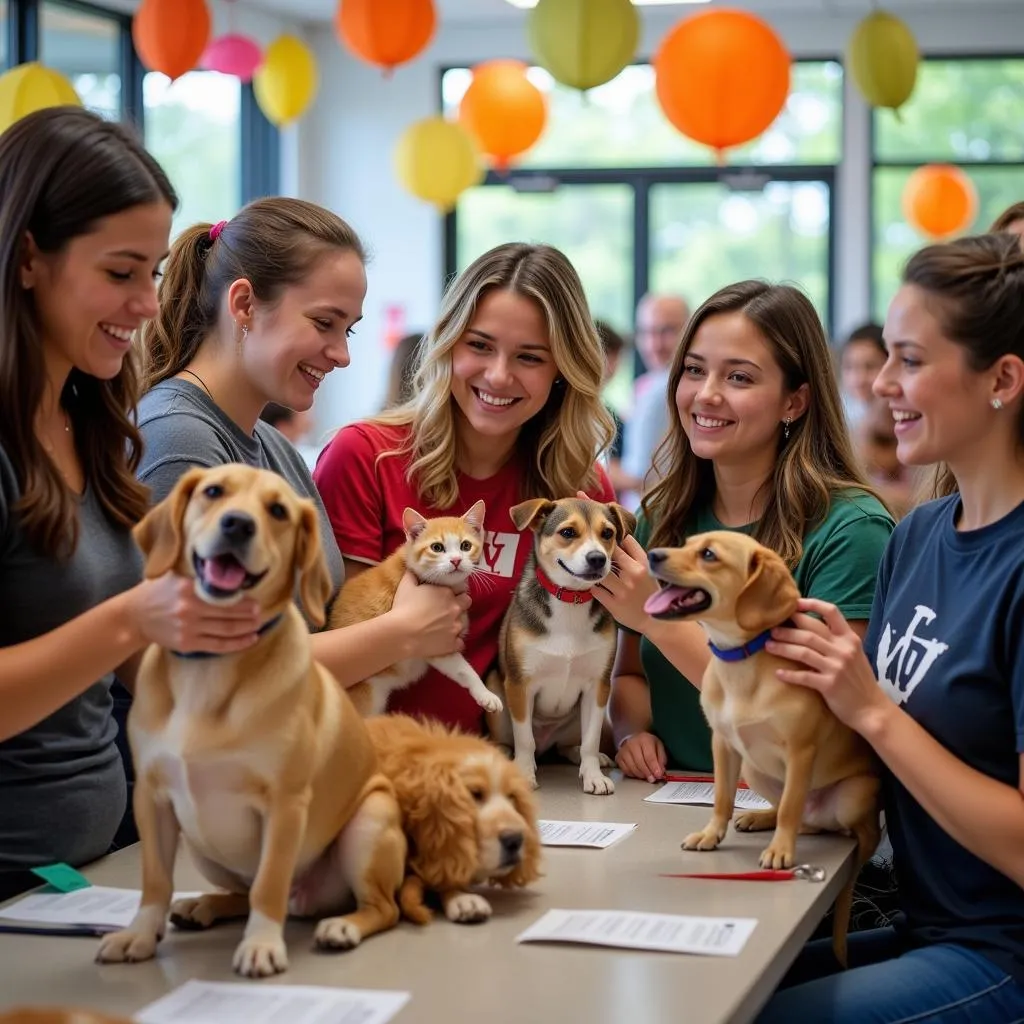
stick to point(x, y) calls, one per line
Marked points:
point(489, 701)
point(529, 771)
point(337, 933)
point(779, 855)
point(467, 908)
point(707, 839)
point(260, 957)
point(755, 821)
point(605, 761)
point(598, 784)
point(193, 913)
point(127, 947)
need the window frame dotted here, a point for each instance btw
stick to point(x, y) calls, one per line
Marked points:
point(876, 163)
point(260, 163)
point(643, 178)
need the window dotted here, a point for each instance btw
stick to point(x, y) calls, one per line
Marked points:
point(3, 34)
point(193, 128)
point(964, 111)
point(85, 47)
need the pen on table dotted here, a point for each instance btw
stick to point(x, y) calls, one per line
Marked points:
point(74, 931)
point(675, 777)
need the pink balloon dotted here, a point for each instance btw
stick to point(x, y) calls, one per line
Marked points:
point(232, 55)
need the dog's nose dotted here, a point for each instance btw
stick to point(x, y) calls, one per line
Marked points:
point(237, 526)
point(656, 557)
point(511, 844)
point(596, 559)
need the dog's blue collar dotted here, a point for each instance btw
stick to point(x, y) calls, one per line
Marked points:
point(751, 647)
point(265, 628)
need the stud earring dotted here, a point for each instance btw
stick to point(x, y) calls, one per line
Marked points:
point(785, 428)
point(996, 403)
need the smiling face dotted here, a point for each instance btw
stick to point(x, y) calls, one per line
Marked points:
point(941, 406)
point(94, 294)
point(502, 366)
point(731, 398)
point(293, 344)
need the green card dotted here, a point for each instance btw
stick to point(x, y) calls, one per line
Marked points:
point(62, 877)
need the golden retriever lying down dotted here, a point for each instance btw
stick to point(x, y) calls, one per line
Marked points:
point(467, 811)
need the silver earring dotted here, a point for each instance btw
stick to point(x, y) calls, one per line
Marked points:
point(785, 428)
point(996, 403)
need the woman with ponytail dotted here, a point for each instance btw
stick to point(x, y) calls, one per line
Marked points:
point(255, 310)
point(937, 687)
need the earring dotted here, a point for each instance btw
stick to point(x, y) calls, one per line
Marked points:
point(559, 382)
point(240, 341)
point(996, 403)
point(785, 428)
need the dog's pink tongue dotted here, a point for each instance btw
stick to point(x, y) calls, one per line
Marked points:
point(662, 601)
point(224, 572)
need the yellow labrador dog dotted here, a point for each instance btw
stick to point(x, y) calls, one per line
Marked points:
point(257, 758)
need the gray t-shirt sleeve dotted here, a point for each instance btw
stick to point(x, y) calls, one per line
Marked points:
point(174, 444)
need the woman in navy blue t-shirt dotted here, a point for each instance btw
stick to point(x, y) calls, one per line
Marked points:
point(938, 687)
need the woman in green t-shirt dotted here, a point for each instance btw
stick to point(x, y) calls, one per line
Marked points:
point(759, 444)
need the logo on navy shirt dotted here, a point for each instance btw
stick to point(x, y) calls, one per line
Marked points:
point(499, 555)
point(903, 663)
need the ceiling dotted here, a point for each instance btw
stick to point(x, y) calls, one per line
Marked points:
point(484, 11)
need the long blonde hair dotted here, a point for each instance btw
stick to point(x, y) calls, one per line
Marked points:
point(574, 426)
point(813, 464)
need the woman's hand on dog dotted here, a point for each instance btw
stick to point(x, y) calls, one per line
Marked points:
point(168, 611)
point(433, 619)
point(642, 756)
point(836, 665)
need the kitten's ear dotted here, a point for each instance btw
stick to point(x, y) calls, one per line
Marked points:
point(475, 516)
point(413, 523)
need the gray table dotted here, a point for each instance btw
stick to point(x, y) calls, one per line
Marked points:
point(460, 972)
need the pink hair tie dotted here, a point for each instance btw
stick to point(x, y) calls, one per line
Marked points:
point(216, 230)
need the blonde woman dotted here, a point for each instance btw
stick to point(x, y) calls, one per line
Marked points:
point(506, 406)
point(758, 443)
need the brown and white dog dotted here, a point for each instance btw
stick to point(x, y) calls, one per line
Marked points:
point(257, 758)
point(818, 774)
point(557, 643)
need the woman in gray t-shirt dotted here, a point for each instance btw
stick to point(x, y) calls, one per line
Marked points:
point(86, 216)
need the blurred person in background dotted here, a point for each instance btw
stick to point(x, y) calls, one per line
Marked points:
point(861, 356)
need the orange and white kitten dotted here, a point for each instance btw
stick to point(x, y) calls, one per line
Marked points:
point(444, 552)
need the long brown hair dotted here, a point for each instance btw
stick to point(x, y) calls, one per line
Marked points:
point(815, 463)
point(62, 170)
point(272, 243)
point(976, 290)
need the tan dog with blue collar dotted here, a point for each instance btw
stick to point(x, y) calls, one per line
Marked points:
point(818, 774)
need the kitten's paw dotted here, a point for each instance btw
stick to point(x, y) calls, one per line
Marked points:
point(467, 908)
point(489, 701)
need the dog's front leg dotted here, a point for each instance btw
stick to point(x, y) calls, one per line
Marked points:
point(456, 668)
point(781, 851)
point(158, 833)
point(262, 950)
point(591, 717)
point(520, 699)
point(727, 775)
point(465, 907)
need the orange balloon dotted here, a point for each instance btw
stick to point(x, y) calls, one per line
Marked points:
point(722, 77)
point(503, 110)
point(940, 200)
point(385, 32)
point(171, 35)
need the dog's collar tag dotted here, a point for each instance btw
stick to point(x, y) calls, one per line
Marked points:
point(743, 651)
point(265, 628)
point(563, 593)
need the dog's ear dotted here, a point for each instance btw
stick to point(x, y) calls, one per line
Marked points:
point(625, 521)
point(769, 596)
point(314, 580)
point(160, 533)
point(531, 513)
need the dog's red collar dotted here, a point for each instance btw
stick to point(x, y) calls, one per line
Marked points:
point(563, 593)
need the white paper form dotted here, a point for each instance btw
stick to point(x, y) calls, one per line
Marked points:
point(583, 833)
point(704, 793)
point(671, 933)
point(225, 1002)
point(97, 907)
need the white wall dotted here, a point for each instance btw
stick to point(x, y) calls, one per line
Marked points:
point(340, 156)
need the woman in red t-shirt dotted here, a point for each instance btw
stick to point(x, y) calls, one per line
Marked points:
point(507, 406)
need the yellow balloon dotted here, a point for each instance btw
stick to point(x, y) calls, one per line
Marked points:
point(437, 160)
point(286, 81)
point(883, 58)
point(30, 87)
point(583, 43)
